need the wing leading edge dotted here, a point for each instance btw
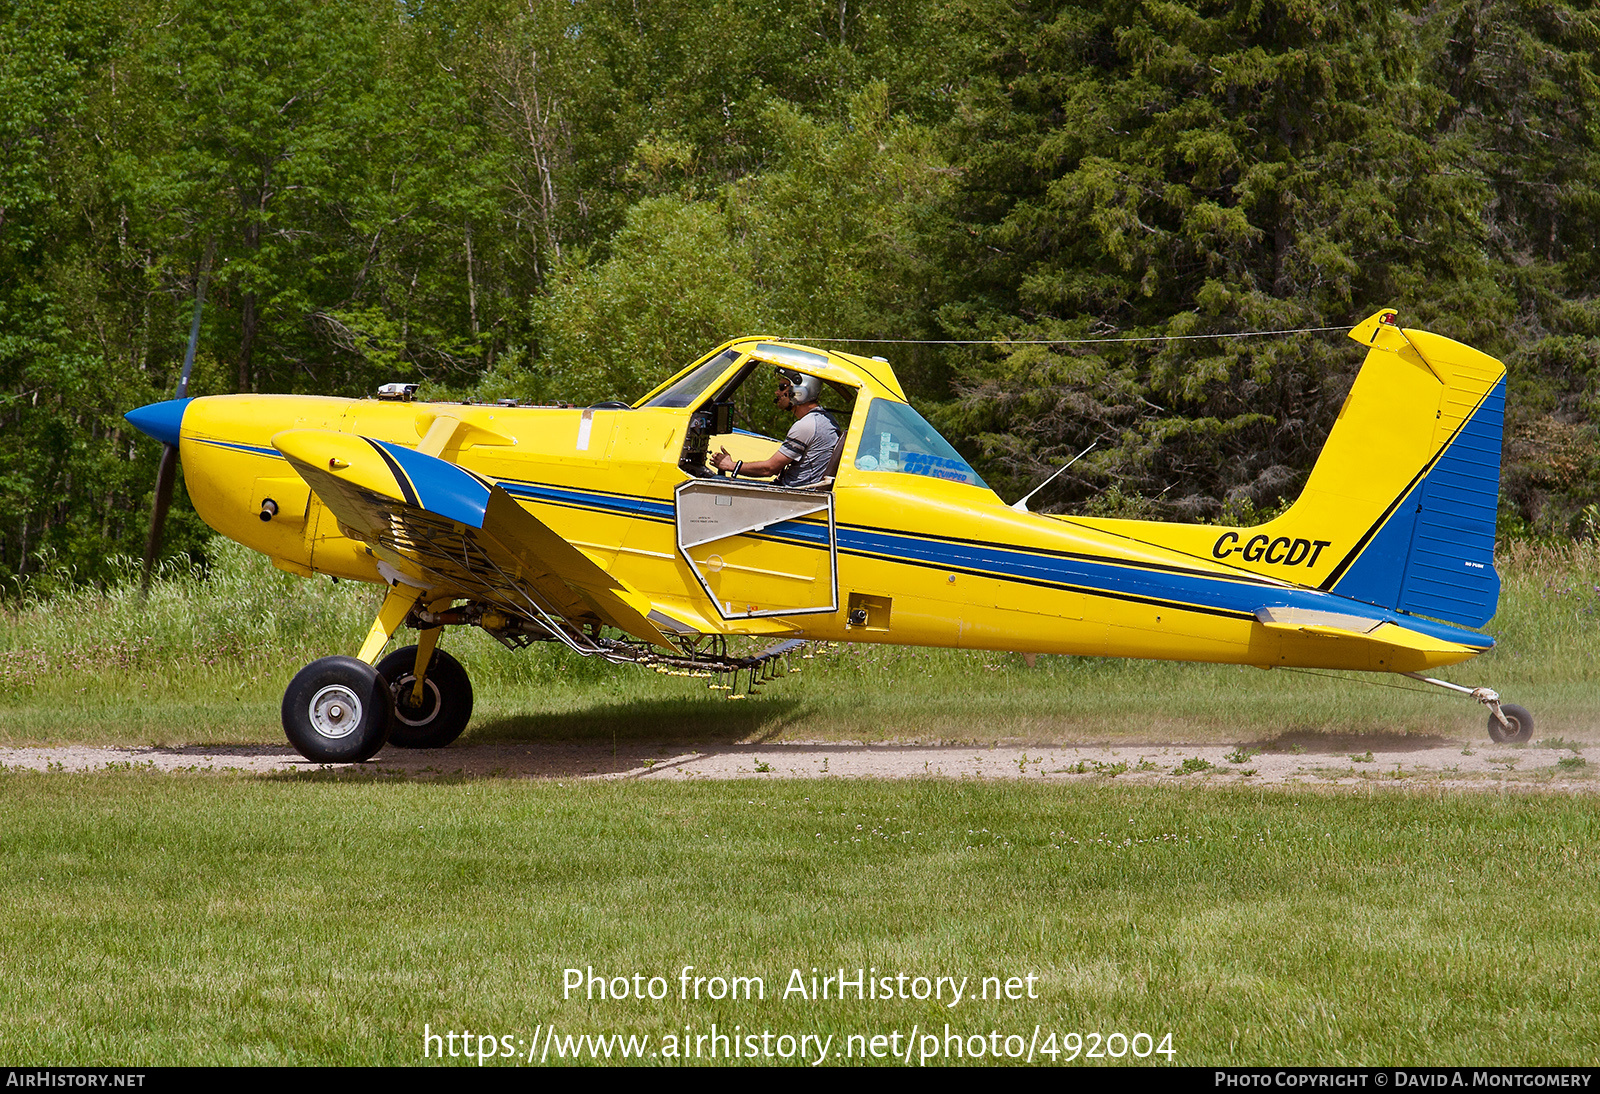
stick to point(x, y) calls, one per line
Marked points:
point(455, 533)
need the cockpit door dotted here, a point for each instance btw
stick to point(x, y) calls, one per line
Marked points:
point(760, 550)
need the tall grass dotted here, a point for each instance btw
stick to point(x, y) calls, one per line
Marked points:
point(204, 658)
point(1546, 629)
point(229, 612)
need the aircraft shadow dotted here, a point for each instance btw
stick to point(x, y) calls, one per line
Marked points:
point(1339, 743)
point(717, 721)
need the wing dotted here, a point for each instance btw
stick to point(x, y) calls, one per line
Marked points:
point(457, 534)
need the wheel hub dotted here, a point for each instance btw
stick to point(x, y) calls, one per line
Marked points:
point(415, 714)
point(335, 711)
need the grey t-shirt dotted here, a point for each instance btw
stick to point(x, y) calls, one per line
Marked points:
point(810, 445)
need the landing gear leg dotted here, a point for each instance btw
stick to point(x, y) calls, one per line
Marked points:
point(1508, 723)
point(396, 606)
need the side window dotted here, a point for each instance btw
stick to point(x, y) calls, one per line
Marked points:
point(897, 438)
point(755, 406)
point(753, 394)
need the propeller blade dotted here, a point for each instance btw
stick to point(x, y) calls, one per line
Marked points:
point(167, 474)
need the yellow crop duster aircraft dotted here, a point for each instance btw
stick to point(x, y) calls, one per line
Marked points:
point(609, 530)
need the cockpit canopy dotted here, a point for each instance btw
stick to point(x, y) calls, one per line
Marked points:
point(895, 438)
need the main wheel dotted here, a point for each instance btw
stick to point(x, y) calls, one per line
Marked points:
point(1519, 727)
point(446, 704)
point(336, 711)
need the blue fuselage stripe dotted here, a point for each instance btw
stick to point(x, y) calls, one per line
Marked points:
point(251, 448)
point(1164, 586)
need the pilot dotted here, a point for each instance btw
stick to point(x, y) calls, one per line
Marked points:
point(807, 452)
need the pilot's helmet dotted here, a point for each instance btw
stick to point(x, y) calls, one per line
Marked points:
point(802, 388)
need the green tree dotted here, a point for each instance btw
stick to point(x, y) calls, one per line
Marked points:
point(235, 133)
point(834, 226)
point(1171, 169)
point(68, 493)
point(673, 287)
point(822, 244)
point(430, 292)
point(1523, 102)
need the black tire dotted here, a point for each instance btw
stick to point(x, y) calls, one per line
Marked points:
point(1519, 729)
point(336, 711)
point(446, 705)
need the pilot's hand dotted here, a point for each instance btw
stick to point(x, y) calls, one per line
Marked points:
point(722, 461)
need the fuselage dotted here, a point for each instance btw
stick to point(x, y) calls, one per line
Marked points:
point(917, 560)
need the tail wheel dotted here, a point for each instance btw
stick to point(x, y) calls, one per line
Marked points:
point(1518, 727)
point(446, 704)
point(336, 711)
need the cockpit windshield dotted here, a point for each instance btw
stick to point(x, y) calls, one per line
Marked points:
point(897, 438)
point(690, 388)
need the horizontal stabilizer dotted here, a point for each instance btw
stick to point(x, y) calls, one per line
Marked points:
point(1393, 643)
point(1305, 619)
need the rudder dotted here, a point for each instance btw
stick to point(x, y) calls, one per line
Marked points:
point(1431, 552)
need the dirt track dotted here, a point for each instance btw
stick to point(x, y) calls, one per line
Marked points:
point(1402, 762)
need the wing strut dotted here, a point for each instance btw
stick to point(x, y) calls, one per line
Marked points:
point(396, 606)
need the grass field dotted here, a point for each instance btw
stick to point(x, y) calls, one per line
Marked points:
point(206, 661)
point(208, 919)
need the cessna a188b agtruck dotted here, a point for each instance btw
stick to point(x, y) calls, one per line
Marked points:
point(609, 529)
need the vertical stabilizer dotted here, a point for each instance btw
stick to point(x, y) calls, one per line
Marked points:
point(1399, 510)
